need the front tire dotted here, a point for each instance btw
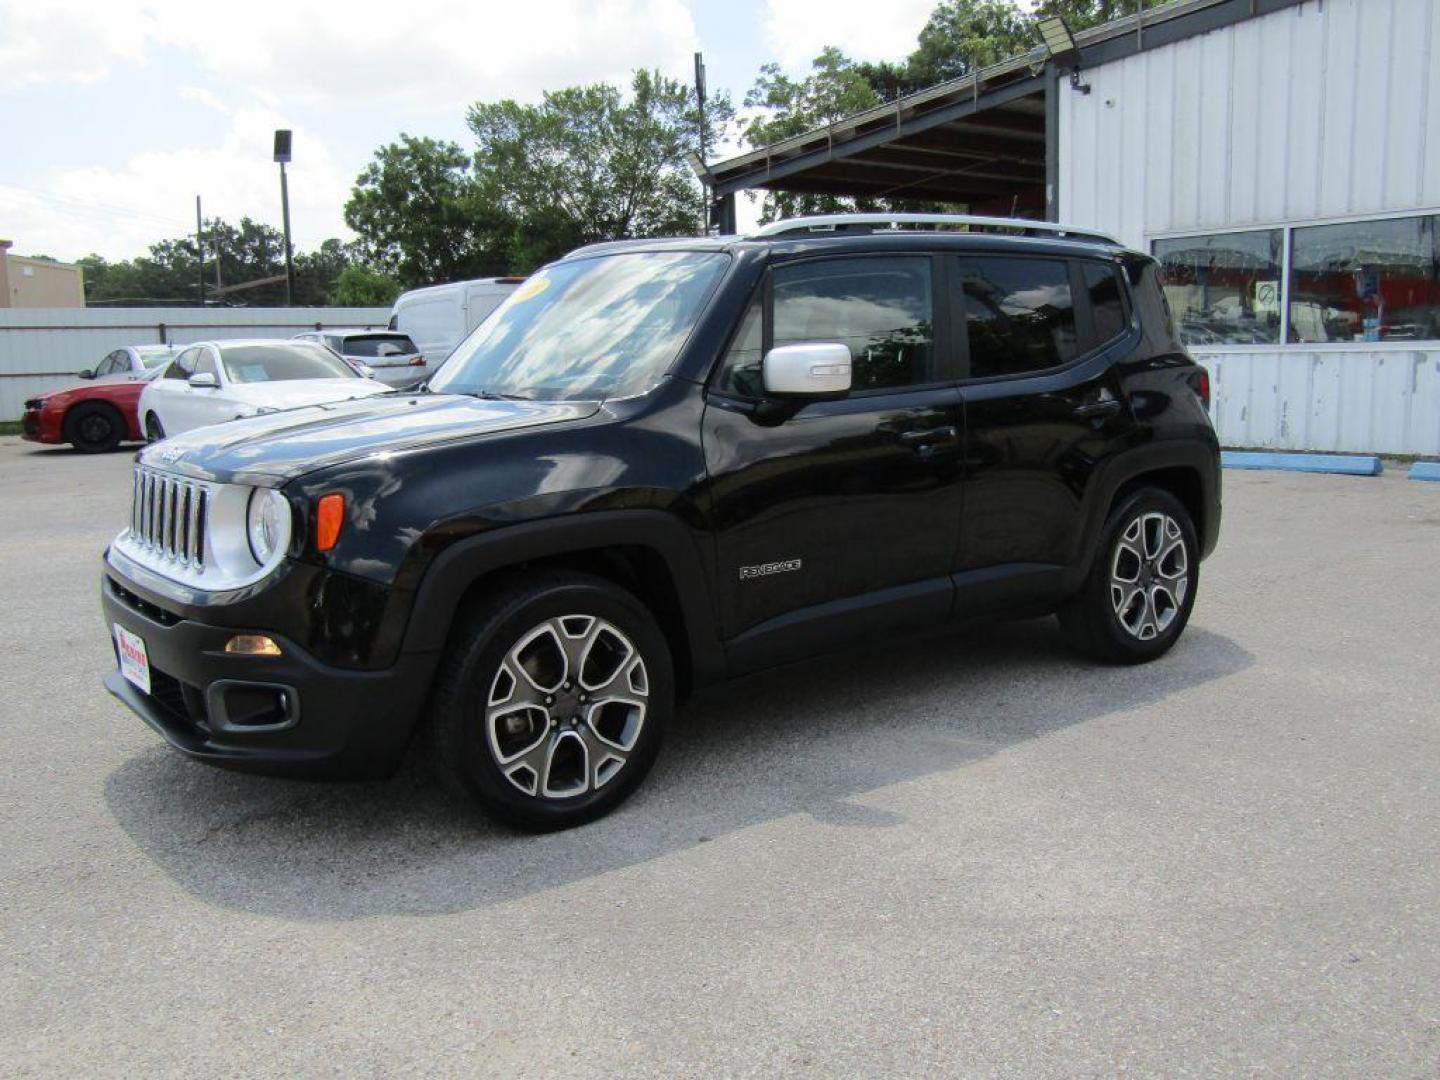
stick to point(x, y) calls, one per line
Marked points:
point(551, 702)
point(94, 427)
point(154, 430)
point(1141, 588)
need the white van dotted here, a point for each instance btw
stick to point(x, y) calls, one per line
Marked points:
point(438, 318)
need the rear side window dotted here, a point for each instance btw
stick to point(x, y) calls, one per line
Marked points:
point(1019, 315)
point(1106, 305)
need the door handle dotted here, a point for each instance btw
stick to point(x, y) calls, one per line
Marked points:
point(929, 436)
point(1104, 407)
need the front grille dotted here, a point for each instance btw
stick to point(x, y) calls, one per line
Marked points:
point(169, 516)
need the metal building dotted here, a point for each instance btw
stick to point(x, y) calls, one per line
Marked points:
point(1281, 157)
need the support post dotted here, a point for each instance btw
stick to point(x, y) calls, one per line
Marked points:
point(200, 250)
point(289, 251)
point(1052, 142)
point(724, 212)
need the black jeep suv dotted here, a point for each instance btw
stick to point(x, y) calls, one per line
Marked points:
point(660, 464)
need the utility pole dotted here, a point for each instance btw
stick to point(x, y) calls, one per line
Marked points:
point(700, 102)
point(282, 155)
point(200, 250)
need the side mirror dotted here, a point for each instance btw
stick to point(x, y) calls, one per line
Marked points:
point(817, 369)
point(88, 373)
point(204, 380)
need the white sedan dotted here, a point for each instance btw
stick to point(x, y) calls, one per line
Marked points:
point(215, 381)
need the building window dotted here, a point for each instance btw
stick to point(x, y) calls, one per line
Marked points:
point(1224, 289)
point(1366, 281)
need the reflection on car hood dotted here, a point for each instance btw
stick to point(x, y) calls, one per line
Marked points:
point(294, 393)
point(287, 444)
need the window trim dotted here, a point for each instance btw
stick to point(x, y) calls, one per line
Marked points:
point(1287, 227)
point(765, 290)
point(1080, 297)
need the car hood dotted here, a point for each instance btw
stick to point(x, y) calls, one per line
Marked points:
point(296, 393)
point(119, 390)
point(282, 445)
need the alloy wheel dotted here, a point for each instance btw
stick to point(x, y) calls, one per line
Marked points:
point(566, 707)
point(1149, 575)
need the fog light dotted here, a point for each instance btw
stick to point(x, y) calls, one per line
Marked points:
point(252, 645)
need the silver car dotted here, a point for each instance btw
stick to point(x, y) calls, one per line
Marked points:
point(386, 355)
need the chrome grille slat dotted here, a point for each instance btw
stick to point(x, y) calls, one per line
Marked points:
point(168, 517)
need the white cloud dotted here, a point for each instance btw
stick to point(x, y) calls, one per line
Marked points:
point(797, 30)
point(323, 68)
point(351, 54)
point(119, 211)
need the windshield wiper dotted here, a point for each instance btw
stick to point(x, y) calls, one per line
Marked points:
point(490, 395)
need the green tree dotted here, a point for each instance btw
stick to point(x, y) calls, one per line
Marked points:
point(590, 164)
point(246, 252)
point(419, 217)
point(359, 286)
point(1080, 14)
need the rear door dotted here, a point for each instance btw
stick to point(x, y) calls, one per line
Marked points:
point(1043, 408)
point(835, 518)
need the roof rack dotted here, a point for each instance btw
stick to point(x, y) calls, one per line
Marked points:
point(877, 222)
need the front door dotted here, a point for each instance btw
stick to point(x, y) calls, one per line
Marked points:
point(841, 517)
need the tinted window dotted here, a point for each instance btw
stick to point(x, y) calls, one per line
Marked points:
point(1019, 314)
point(184, 365)
point(114, 364)
point(1107, 308)
point(377, 346)
point(283, 361)
point(740, 373)
point(880, 308)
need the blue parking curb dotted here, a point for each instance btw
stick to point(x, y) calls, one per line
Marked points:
point(1425, 470)
point(1345, 464)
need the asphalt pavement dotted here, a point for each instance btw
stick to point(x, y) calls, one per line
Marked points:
point(970, 854)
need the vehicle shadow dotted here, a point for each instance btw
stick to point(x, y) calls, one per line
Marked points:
point(809, 738)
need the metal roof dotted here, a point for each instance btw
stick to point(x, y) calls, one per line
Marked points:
point(974, 139)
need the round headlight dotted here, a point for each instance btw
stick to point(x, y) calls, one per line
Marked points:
point(267, 524)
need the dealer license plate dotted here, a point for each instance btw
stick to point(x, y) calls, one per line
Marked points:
point(134, 664)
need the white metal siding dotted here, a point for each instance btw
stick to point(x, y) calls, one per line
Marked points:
point(1315, 111)
point(1380, 400)
point(42, 348)
point(1322, 110)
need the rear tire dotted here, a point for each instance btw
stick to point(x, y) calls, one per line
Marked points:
point(93, 427)
point(549, 707)
point(1141, 588)
point(154, 430)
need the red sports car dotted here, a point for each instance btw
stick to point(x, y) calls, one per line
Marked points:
point(91, 416)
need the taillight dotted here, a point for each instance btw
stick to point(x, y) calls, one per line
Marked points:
point(417, 361)
point(1202, 387)
point(329, 516)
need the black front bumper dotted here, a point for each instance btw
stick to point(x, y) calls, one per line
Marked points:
point(337, 723)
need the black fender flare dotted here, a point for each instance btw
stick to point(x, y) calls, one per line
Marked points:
point(453, 571)
point(1201, 458)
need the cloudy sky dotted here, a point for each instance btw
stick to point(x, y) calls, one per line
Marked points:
point(117, 113)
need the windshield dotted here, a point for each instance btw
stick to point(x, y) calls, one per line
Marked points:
point(282, 361)
point(154, 358)
point(585, 329)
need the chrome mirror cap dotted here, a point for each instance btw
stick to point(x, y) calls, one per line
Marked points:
point(811, 369)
